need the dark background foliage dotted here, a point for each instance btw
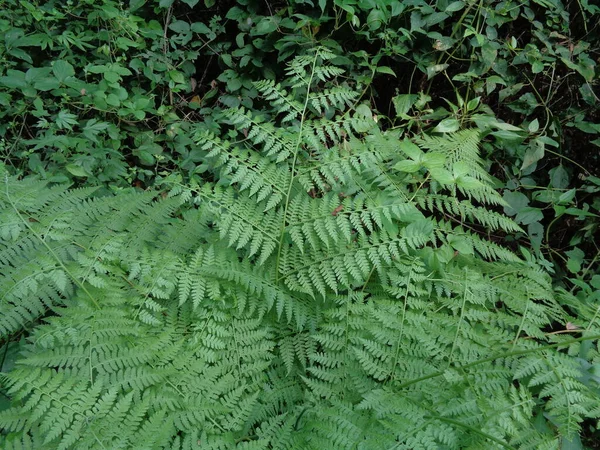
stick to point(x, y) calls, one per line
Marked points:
point(110, 94)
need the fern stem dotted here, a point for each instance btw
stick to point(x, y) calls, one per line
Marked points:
point(522, 323)
point(50, 250)
point(593, 319)
point(460, 320)
point(498, 356)
point(473, 430)
point(296, 150)
point(401, 333)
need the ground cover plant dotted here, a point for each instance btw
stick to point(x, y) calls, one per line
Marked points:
point(219, 228)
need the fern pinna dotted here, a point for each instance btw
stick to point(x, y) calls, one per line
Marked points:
point(324, 284)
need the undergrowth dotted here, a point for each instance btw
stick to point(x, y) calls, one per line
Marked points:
point(324, 284)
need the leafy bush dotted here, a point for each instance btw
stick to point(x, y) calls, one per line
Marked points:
point(322, 285)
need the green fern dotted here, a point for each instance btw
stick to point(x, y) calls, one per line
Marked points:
point(314, 289)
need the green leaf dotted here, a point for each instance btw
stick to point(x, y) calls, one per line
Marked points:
point(62, 70)
point(473, 103)
point(529, 215)
point(46, 84)
point(385, 69)
point(112, 77)
point(403, 103)
point(435, 69)
point(407, 166)
point(461, 244)
point(534, 126)
point(177, 76)
point(455, 6)
point(449, 125)
point(364, 111)
point(537, 67)
point(76, 170)
point(375, 19)
point(66, 120)
point(559, 178)
point(235, 13)
point(134, 5)
point(266, 25)
point(567, 197)
point(442, 176)
point(180, 26)
point(113, 100)
point(92, 128)
point(535, 231)
point(199, 27)
point(234, 84)
point(516, 202)
point(14, 79)
point(576, 258)
point(535, 152)
point(434, 160)
point(411, 150)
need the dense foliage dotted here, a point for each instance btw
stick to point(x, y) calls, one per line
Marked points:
point(328, 224)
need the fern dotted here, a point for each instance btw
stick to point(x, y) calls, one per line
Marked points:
point(325, 284)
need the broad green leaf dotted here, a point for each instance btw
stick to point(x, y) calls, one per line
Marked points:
point(408, 166)
point(461, 244)
point(567, 197)
point(434, 160)
point(364, 111)
point(13, 79)
point(435, 69)
point(442, 176)
point(529, 215)
point(266, 25)
point(62, 70)
point(76, 170)
point(534, 126)
point(460, 168)
point(233, 84)
point(385, 69)
point(455, 6)
point(473, 103)
point(46, 84)
point(375, 19)
point(134, 5)
point(177, 76)
point(403, 103)
point(112, 77)
point(449, 125)
point(576, 259)
point(411, 150)
point(516, 202)
point(199, 27)
point(559, 178)
point(180, 26)
point(534, 152)
point(113, 100)
point(235, 13)
point(535, 231)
